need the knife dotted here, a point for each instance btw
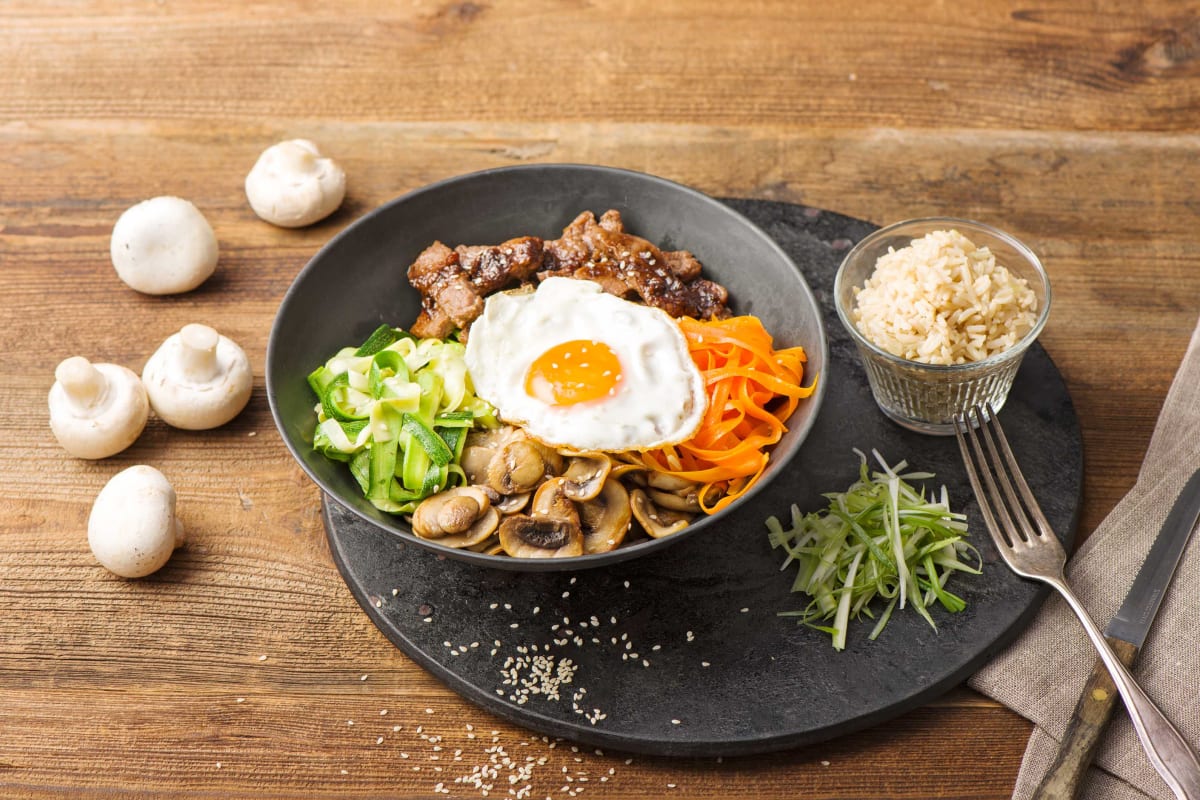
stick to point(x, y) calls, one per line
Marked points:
point(1126, 633)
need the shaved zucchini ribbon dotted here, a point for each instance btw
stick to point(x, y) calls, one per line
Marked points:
point(397, 409)
point(879, 539)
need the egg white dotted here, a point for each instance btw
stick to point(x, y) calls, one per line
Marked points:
point(659, 400)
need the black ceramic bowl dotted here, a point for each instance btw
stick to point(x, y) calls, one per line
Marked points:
point(358, 281)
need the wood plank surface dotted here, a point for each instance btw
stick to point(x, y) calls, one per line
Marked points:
point(237, 670)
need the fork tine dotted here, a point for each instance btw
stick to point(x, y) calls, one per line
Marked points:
point(977, 471)
point(1029, 508)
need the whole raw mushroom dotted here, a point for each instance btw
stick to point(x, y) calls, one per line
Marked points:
point(198, 379)
point(132, 529)
point(293, 185)
point(163, 246)
point(96, 410)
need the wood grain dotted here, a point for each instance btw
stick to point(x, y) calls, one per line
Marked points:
point(1070, 124)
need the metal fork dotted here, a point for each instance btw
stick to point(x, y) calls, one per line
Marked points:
point(1030, 548)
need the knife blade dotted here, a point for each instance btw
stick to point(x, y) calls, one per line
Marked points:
point(1126, 633)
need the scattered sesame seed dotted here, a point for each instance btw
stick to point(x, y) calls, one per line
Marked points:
point(241, 699)
point(262, 658)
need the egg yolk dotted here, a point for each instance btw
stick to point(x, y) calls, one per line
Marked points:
point(574, 372)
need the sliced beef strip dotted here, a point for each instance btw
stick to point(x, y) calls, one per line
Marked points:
point(454, 282)
point(624, 265)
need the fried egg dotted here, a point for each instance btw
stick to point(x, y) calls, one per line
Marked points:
point(579, 368)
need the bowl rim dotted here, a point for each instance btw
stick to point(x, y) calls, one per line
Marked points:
point(1015, 351)
point(587, 560)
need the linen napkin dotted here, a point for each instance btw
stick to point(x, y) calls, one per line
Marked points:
point(1041, 675)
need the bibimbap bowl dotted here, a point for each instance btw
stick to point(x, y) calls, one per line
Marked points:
point(358, 282)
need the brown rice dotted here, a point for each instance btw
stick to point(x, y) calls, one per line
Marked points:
point(942, 300)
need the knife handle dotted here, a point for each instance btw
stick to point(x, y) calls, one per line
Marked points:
point(1092, 714)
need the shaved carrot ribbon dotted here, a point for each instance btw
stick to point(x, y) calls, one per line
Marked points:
point(752, 390)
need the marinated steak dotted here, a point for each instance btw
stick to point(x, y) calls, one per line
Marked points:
point(453, 283)
point(625, 265)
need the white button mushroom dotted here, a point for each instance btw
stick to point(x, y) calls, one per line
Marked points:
point(96, 410)
point(198, 379)
point(132, 529)
point(292, 185)
point(163, 246)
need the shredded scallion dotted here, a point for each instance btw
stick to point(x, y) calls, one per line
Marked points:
point(879, 543)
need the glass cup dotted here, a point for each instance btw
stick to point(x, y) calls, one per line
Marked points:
point(926, 397)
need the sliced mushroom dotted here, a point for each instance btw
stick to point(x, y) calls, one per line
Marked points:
point(512, 503)
point(474, 461)
point(626, 469)
point(668, 483)
point(550, 530)
point(517, 468)
point(687, 500)
point(657, 522)
point(585, 475)
point(605, 518)
point(493, 438)
point(458, 517)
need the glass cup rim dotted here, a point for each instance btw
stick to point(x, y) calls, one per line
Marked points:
point(1017, 348)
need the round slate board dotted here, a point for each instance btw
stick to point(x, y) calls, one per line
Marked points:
point(683, 652)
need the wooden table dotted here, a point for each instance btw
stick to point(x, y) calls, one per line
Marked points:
point(244, 668)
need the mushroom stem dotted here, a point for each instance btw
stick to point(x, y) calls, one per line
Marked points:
point(198, 356)
point(84, 385)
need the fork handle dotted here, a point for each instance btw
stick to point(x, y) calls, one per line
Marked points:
point(1169, 752)
point(1092, 714)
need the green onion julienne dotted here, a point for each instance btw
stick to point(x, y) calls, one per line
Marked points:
point(882, 539)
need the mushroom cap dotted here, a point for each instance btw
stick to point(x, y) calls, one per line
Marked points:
point(96, 410)
point(292, 185)
point(550, 530)
point(198, 379)
point(606, 518)
point(132, 528)
point(163, 246)
point(458, 517)
point(517, 467)
point(657, 522)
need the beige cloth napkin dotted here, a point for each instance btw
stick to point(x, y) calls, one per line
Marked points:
point(1041, 675)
